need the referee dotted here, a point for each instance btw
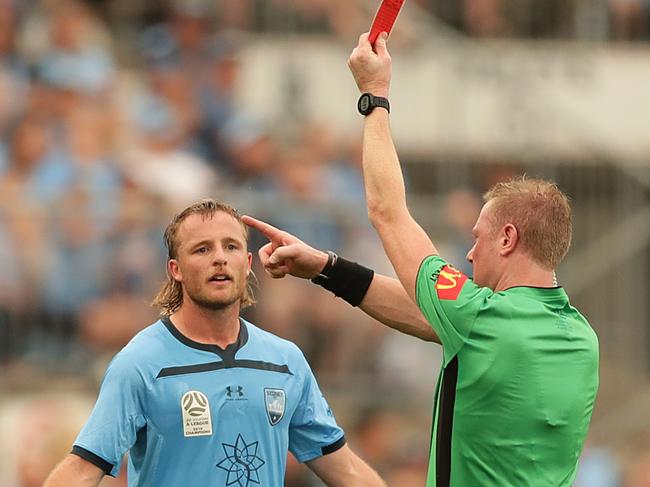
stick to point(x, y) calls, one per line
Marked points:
point(520, 364)
point(201, 397)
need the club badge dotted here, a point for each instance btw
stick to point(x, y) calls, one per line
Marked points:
point(275, 402)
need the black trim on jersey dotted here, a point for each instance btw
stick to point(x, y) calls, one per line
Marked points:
point(227, 354)
point(445, 423)
point(96, 460)
point(433, 416)
point(337, 445)
point(534, 287)
point(228, 360)
point(225, 364)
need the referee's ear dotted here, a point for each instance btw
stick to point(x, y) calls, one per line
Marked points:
point(508, 239)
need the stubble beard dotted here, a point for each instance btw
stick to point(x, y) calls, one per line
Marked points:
point(215, 304)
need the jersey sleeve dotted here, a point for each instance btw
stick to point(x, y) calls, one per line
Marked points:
point(313, 431)
point(450, 302)
point(116, 418)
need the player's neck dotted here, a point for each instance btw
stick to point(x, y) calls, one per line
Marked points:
point(526, 273)
point(213, 327)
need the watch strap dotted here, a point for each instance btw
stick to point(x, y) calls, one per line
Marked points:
point(381, 102)
point(368, 102)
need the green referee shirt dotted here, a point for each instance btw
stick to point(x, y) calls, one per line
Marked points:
point(518, 383)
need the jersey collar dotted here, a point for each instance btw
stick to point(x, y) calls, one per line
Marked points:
point(556, 293)
point(228, 353)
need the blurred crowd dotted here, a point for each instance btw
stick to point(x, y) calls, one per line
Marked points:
point(592, 20)
point(103, 137)
point(585, 20)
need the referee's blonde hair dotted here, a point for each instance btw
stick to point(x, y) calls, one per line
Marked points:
point(170, 295)
point(540, 212)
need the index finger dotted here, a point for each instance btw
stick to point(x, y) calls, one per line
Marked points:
point(269, 231)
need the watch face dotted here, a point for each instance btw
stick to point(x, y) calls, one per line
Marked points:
point(364, 103)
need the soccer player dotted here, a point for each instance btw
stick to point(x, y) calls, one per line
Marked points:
point(201, 397)
point(520, 365)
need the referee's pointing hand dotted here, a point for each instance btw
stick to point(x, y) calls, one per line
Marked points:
point(286, 254)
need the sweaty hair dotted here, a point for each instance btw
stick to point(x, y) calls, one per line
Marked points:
point(170, 295)
point(541, 214)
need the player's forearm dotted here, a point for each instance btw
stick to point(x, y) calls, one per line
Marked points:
point(361, 475)
point(74, 471)
point(344, 468)
point(358, 473)
point(384, 183)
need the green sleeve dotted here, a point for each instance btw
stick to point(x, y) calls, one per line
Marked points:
point(449, 301)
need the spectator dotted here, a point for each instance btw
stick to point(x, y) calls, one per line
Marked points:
point(159, 163)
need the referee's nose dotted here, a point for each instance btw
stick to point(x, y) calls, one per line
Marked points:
point(470, 256)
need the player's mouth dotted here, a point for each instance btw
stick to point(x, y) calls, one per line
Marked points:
point(220, 278)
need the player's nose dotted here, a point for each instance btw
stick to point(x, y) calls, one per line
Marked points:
point(219, 257)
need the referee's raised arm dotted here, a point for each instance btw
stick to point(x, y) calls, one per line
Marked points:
point(405, 242)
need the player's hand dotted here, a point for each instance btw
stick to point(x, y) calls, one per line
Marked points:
point(371, 69)
point(286, 254)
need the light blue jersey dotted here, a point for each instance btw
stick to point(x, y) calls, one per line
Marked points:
point(194, 415)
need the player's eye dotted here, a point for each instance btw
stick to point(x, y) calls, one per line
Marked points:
point(232, 246)
point(201, 250)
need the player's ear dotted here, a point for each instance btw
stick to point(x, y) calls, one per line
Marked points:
point(174, 271)
point(250, 263)
point(508, 239)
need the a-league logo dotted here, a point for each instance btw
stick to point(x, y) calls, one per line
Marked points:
point(197, 420)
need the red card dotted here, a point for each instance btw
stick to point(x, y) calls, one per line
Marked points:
point(384, 18)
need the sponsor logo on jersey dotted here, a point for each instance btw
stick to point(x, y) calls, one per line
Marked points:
point(275, 401)
point(242, 463)
point(450, 283)
point(235, 393)
point(197, 420)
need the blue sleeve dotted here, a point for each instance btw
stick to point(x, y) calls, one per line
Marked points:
point(313, 431)
point(116, 418)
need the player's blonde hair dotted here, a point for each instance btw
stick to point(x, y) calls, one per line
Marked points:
point(540, 212)
point(170, 295)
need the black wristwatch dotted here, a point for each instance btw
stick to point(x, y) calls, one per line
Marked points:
point(367, 103)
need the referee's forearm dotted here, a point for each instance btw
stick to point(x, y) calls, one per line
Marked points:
point(384, 183)
point(387, 302)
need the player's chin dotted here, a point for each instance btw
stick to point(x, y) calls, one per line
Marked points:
point(218, 304)
point(215, 300)
point(220, 293)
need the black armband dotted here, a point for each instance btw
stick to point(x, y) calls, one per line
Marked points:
point(347, 280)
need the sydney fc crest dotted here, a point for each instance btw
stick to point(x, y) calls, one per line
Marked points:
point(275, 401)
